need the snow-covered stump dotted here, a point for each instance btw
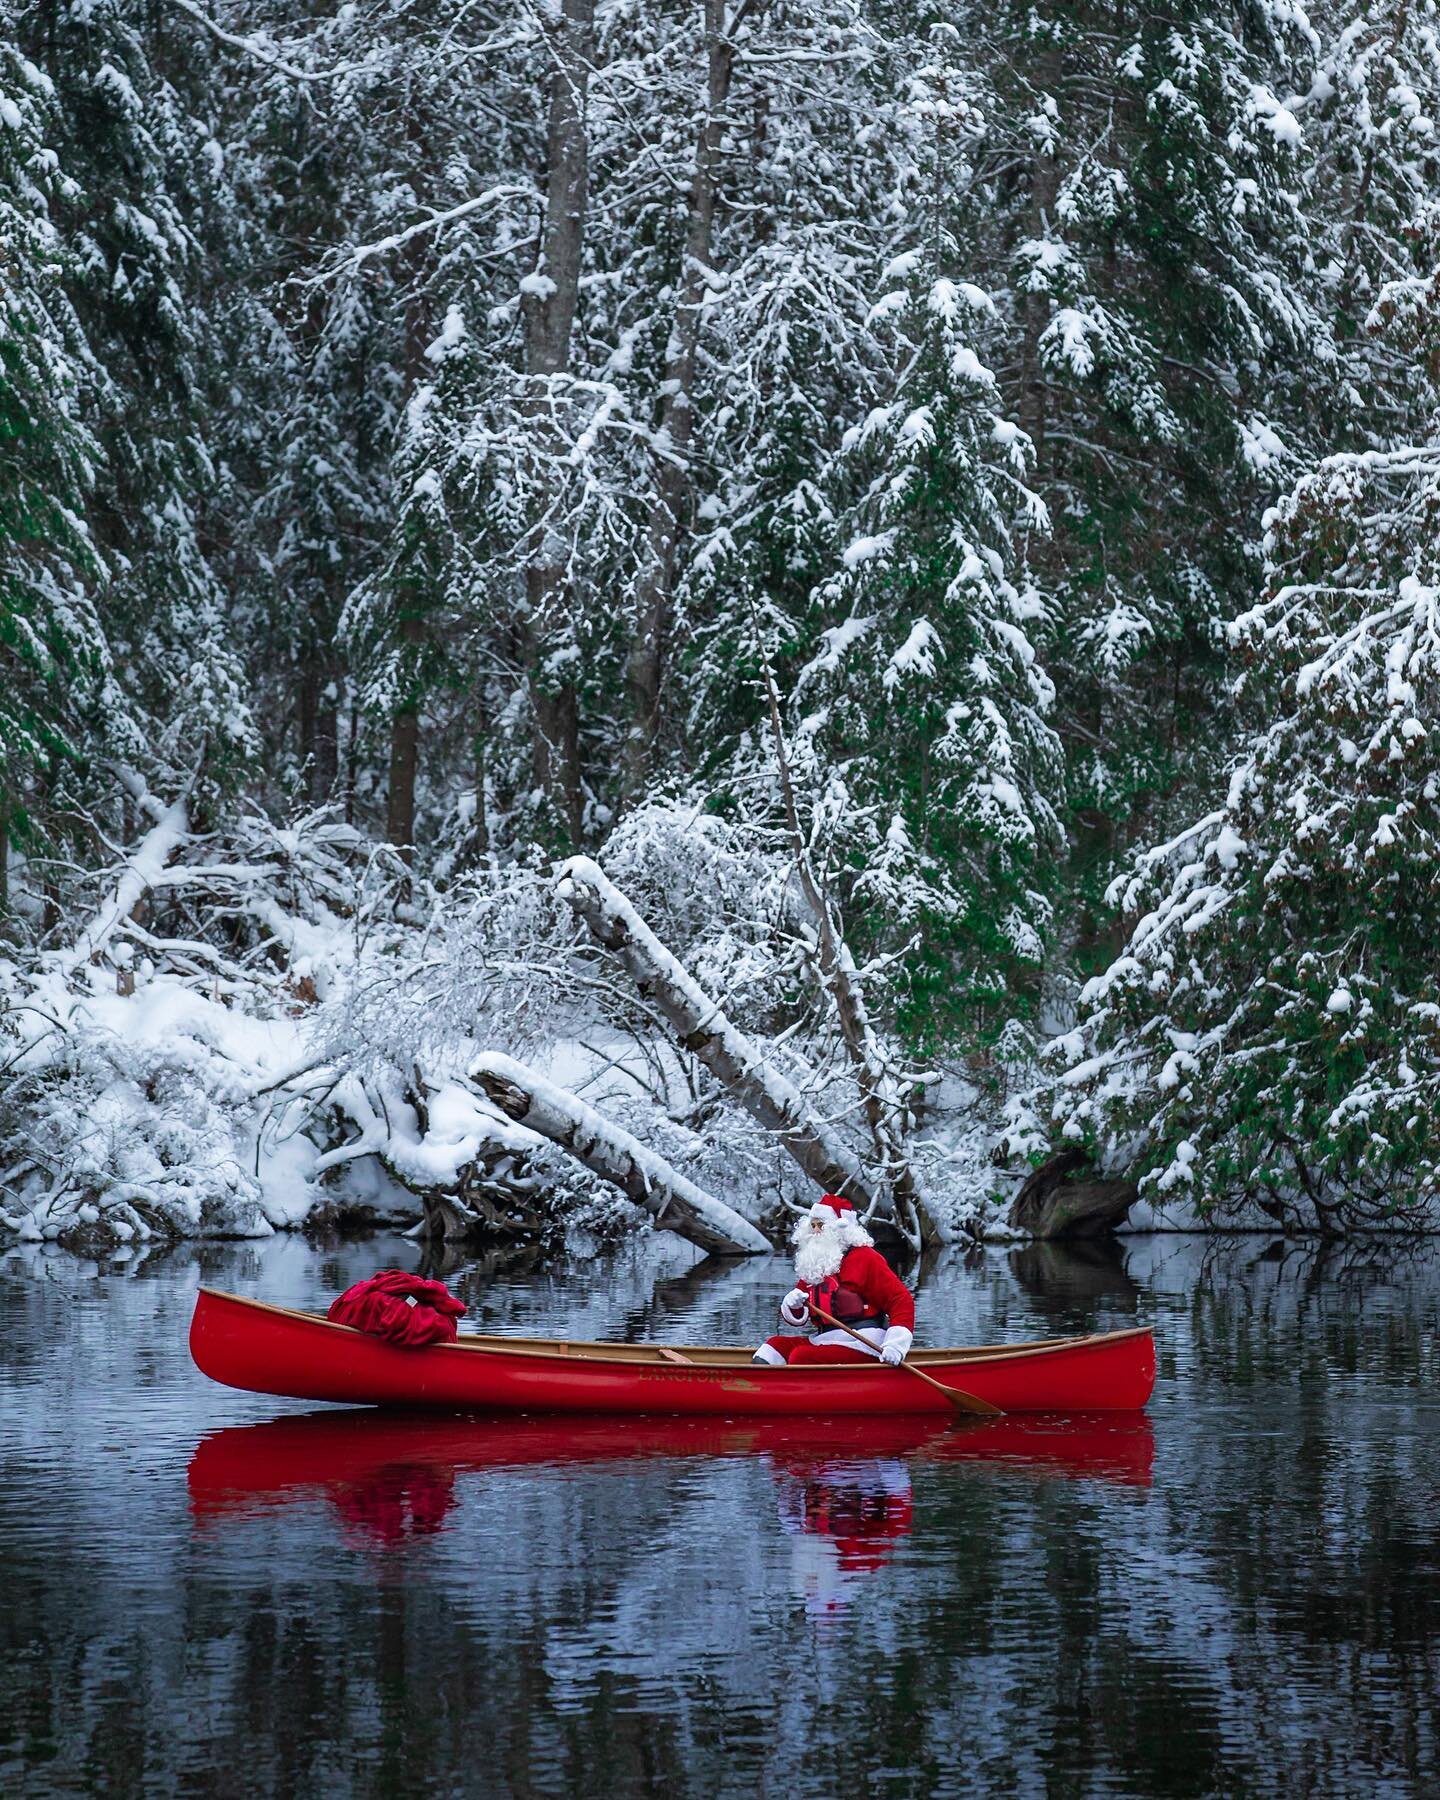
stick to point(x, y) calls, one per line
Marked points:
point(608, 1151)
point(738, 1064)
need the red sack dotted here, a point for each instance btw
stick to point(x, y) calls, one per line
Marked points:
point(402, 1309)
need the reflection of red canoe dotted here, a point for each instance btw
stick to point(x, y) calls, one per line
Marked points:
point(388, 1458)
point(247, 1344)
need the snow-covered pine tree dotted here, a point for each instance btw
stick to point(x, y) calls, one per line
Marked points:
point(585, 509)
point(921, 718)
point(1370, 121)
point(143, 167)
point(791, 163)
point(882, 568)
point(52, 648)
point(309, 112)
point(467, 633)
point(1137, 211)
point(1270, 1034)
point(835, 160)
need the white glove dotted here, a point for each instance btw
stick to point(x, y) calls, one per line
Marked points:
point(794, 1308)
point(895, 1344)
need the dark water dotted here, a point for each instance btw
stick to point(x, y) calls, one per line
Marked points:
point(203, 1593)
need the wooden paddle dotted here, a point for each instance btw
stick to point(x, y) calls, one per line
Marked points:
point(962, 1402)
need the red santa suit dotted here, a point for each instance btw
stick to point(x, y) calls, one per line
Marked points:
point(845, 1518)
point(839, 1270)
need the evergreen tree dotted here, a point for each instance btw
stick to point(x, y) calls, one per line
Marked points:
point(923, 717)
point(52, 649)
point(1138, 208)
point(1369, 120)
point(1269, 1035)
point(144, 168)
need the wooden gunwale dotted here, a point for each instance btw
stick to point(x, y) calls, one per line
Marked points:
point(702, 1356)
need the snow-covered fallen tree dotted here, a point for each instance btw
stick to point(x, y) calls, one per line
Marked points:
point(627, 966)
point(281, 1026)
point(614, 1155)
point(194, 1060)
point(147, 1057)
point(742, 1067)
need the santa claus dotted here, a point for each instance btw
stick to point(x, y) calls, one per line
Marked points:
point(839, 1271)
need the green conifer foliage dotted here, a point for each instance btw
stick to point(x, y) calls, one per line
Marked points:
point(1144, 174)
point(144, 173)
point(923, 716)
point(52, 651)
point(1270, 1034)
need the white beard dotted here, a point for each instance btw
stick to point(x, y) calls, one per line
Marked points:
point(819, 1254)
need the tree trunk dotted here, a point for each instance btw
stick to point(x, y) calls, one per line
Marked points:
point(325, 749)
point(1051, 1204)
point(703, 1029)
point(480, 832)
point(841, 979)
point(654, 590)
point(1036, 309)
point(306, 700)
point(400, 805)
point(616, 1157)
point(556, 708)
point(352, 758)
point(317, 730)
point(405, 751)
point(549, 305)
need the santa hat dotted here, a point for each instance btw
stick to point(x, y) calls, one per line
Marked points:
point(838, 1205)
point(835, 1210)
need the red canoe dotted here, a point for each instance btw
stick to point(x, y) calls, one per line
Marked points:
point(272, 1350)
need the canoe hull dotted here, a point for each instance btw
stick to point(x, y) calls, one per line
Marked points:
point(302, 1356)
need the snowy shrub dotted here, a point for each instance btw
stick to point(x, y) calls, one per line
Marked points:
point(152, 1057)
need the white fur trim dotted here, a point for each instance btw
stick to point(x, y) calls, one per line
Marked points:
point(898, 1337)
point(872, 1335)
point(770, 1356)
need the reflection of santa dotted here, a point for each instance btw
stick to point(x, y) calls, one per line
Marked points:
point(845, 1517)
point(838, 1269)
point(395, 1504)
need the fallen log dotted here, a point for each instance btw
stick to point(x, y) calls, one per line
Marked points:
point(642, 1176)
point(1052, 1204)
point(702, 1027)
